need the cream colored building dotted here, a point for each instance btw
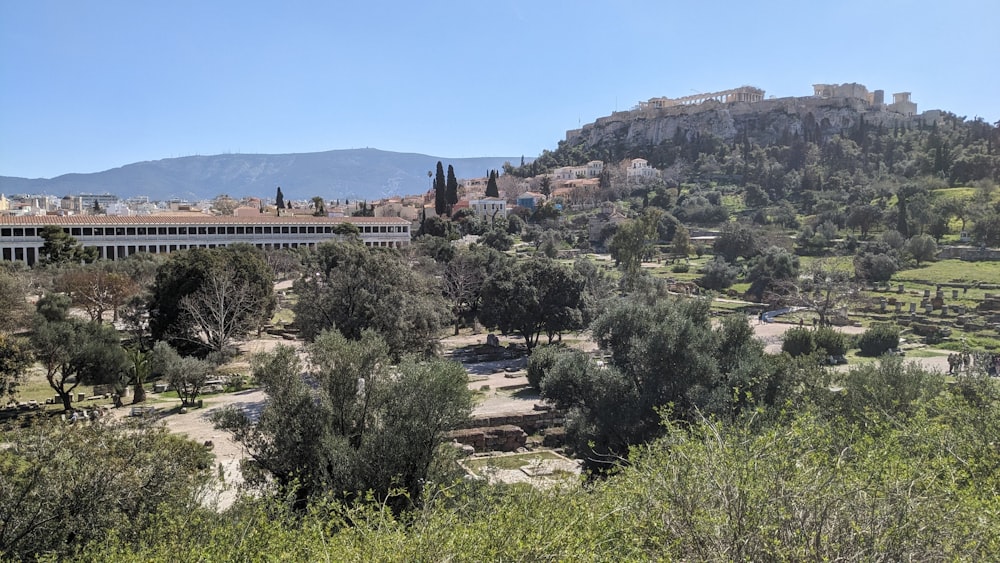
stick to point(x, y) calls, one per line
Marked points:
point(490, 207)
point(116, 237)
point(639, 168)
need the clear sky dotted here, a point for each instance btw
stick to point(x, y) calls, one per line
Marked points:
point(88, 86)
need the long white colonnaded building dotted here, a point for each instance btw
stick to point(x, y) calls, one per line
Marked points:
point(116, 237)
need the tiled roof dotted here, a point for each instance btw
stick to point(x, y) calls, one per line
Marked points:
point(193, 218)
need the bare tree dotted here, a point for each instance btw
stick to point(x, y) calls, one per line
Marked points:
point(463, 283)
point(823, 288)
point(222, 311)
point(97, 291)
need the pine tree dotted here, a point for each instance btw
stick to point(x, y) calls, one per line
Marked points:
point(491, 185)
point(440, 198)
point(279, 200)
point(452, 188)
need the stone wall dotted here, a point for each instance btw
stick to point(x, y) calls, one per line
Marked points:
point(532, 423)
point(969, 253)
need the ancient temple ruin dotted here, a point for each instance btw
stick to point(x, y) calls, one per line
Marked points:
point(741, 94)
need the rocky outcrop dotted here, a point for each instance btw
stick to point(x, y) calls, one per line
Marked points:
point(765, 122)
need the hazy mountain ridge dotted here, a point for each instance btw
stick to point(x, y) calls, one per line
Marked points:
point(350, 173)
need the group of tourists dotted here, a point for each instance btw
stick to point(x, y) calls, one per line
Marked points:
point(964, 361)
point(959, 361)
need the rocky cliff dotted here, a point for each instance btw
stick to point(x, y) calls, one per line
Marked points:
point(765, 122)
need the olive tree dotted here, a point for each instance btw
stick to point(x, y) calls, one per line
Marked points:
point(348, 421)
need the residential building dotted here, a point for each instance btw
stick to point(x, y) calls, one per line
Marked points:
point(530, 200)
point(490, 207)
point(639, 168)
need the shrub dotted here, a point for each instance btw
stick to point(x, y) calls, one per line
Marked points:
point(540, 362)
point(830, 340)
point(878, 339)
point(798, 342)
point(680, 268)
point(718, 274)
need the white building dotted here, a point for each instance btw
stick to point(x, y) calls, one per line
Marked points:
point(490, 207)
point(116, 237)
point(640, 168)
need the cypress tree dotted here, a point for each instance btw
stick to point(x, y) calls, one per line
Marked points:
point(440, 198)
point(452, 188)
point(491, 185)
point(279, 200)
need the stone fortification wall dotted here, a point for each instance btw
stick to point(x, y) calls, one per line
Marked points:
point(765, 122)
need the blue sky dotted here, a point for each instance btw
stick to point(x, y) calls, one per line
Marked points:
point(88, 86)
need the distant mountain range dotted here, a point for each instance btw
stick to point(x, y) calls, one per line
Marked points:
point(353, 174)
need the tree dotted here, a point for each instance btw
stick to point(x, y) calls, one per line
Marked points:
point(364, 425)
point(491, 185)
point(681, 243)
point(222, 310)
point(451, 188)
point(876, 261)
point(66, 487)
point(634, 241)
point(736, 240)
point(528, 297)
point(15, 358)
point(352, 288)
point(771, 270)
point(319, 206)
point(463, 281)
point(662, 354)
point(13, 300)
point(279, 200)
point(73, 351)
point(97, 290)
point(986, 229)
point(922, 248)
point(545, 185)
point(823, 288)
point(61, 248)
point(187, 375)
point(440, 191)
point(717, 274)
point(138, 371)
point(864, 218)
point(188, 272)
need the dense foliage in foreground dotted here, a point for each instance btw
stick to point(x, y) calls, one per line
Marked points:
point(895, 467)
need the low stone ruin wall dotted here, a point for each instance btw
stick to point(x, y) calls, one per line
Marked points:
point(505, 438)
point(532, 423)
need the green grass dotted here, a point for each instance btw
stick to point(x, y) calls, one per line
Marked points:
point(951, 271)
point(954, 193)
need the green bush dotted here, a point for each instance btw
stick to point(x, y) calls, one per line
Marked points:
point(541, 361)
point(680, 268)
point(878, 339)
point(798, 342)
point(833, 342)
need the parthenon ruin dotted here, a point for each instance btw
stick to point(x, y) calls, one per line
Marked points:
point(741, 94)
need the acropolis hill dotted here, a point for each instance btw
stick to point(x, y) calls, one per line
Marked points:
point(745, 113)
